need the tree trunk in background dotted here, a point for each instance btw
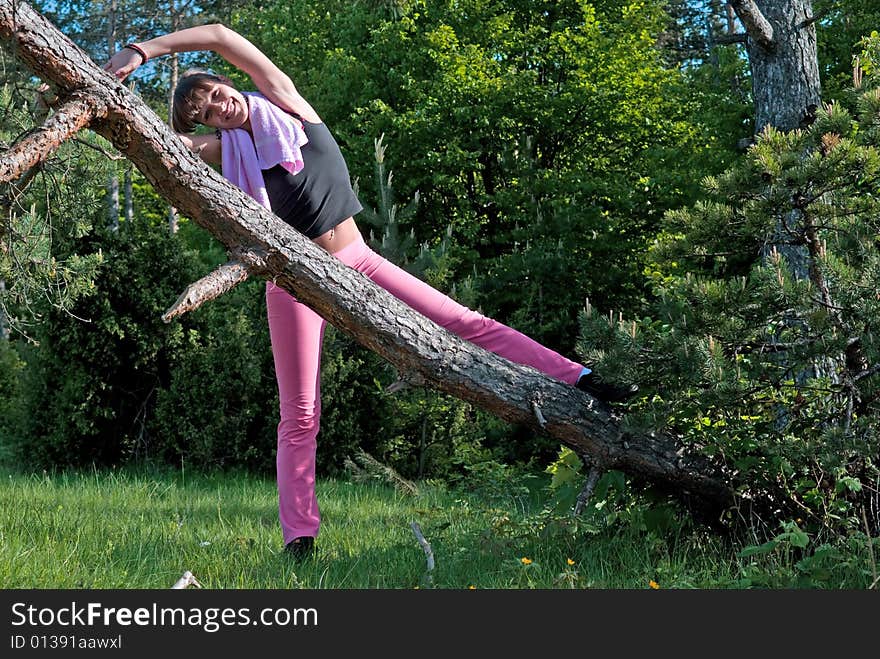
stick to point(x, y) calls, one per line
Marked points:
point(113, 180)
point(4, 326)
point(731, 19)
point(129, 198)
point(113, 201)
point(784, 63)
point(173, 216)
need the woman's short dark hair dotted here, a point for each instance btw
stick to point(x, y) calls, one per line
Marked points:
point(188, 96)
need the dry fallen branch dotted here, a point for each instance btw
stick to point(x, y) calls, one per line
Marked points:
point(426, 547)
point(40, 143)
point(587, 490)
point(223, 279)
point(186, 581)
point(365, 468)
point(96, 147)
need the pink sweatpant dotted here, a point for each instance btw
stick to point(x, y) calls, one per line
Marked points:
point(297, 333)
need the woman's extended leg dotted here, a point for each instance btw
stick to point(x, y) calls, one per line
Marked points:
point(446, 312)
point(297, 333)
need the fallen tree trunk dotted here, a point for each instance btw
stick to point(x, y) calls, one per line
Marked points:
point(421, 350)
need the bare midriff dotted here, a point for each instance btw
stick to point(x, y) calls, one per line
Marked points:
point(339, 237)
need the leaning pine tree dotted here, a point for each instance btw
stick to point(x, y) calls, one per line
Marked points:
point(736, 335)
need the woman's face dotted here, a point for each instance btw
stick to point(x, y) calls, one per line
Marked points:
point(223, 107)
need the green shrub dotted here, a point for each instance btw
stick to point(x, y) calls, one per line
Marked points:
point(90, 387)
point(11, 366)
point(219, 406)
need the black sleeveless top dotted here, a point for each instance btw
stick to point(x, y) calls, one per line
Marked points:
point(319, 196)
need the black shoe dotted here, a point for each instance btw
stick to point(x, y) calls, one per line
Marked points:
point(605, 391)
point(302, 547)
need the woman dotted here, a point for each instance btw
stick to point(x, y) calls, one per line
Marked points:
point(303, 178)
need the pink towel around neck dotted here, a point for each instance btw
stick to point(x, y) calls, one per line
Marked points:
point(277, 139)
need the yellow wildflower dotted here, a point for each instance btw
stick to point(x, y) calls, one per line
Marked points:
point(526, 561)
point(569, 561)
point(653, 584)
point(472, 587)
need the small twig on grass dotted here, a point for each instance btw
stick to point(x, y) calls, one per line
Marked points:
point(186, 581)
point(427, 549)
point(870, 551)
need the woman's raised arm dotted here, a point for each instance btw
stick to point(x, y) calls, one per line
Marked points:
point(231, 46)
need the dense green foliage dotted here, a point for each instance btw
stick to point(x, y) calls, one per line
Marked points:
point(764, 338)
point(843, 25)
point(43, 208)
point(549, 138)
point(543, 154)
point(98, 365)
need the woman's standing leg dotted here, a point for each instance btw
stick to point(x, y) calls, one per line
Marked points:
point(297, 334)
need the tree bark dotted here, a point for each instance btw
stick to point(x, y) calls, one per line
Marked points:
point(786, 87)
point(783, 59)
point(416, 346)
point(41, 142)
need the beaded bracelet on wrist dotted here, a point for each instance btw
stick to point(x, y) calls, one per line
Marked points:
point(138, 50)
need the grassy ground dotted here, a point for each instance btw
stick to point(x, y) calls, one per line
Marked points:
point(136, 530)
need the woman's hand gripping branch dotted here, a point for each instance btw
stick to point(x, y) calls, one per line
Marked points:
point(124, 62)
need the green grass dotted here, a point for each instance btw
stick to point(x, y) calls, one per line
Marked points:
point(133, 530)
